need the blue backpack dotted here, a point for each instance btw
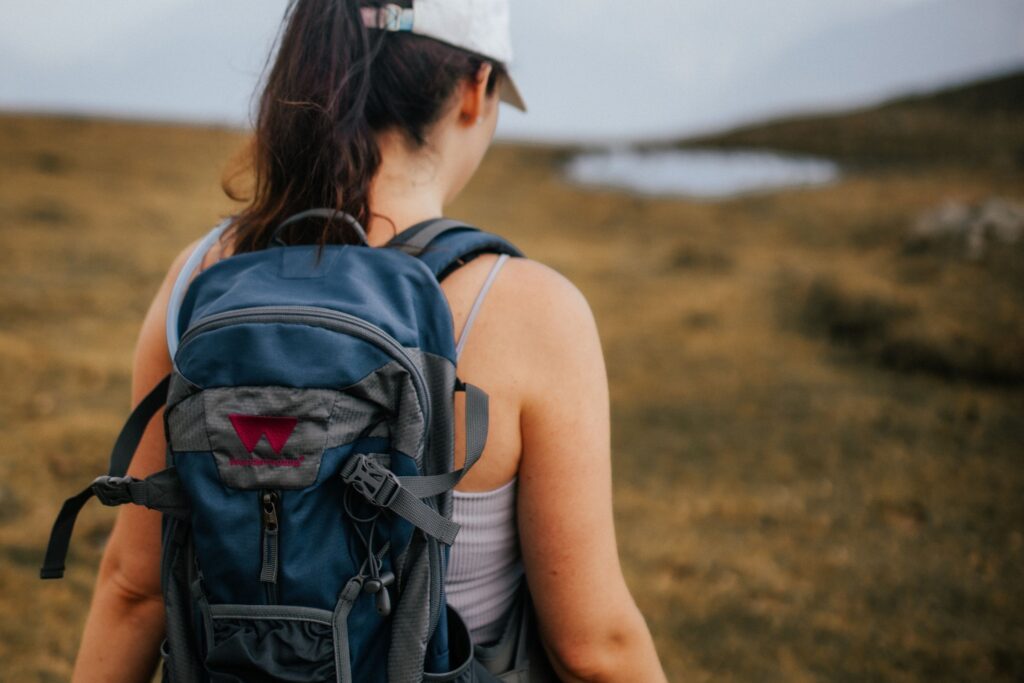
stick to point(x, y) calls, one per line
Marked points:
point(307, 496)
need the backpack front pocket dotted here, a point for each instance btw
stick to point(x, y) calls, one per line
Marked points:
point(270, 643)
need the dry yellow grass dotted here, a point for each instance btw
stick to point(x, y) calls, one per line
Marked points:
point(789, 507)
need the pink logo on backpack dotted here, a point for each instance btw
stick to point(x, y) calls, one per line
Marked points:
point(252, 428)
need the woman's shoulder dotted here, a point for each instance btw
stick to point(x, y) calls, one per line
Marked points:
point(158, 309)
point(536, 325)
point(542, 278)
point(543, 294)
point(529, 295)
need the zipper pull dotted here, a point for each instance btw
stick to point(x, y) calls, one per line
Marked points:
point(383, 602)
point(268, 574)
point(374, 585)
point(380, 588)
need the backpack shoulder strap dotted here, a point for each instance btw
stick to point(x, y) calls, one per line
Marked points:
point(444, 245)
point(161, 491)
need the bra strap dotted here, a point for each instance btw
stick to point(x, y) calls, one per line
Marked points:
point(475, 310)
point(184, 278)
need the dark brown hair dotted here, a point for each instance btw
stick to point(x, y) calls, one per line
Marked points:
point(332, 87)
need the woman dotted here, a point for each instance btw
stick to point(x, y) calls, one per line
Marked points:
point(389, 126)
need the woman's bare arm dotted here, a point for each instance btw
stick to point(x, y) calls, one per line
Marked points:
point(126, 620)
point(588, 620)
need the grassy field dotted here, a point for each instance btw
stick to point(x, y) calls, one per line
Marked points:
point(819, 429)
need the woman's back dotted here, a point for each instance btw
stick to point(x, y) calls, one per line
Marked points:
point(493, 326)
point(388, 128)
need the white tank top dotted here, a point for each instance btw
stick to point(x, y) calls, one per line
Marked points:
point(485, 567)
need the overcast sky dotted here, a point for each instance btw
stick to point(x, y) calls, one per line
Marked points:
point(590, 69)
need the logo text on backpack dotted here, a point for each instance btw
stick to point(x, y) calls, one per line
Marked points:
point(277, 429)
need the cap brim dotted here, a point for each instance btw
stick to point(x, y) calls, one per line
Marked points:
point(510, 94)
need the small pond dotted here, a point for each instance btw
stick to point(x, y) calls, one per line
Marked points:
point(708, 174)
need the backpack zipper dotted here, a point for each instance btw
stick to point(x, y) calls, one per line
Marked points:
point(271, 531)
point(327, 319)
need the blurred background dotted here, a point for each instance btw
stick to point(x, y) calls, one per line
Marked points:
point(800, 226)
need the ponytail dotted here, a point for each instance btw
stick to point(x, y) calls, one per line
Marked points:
point(333, 87)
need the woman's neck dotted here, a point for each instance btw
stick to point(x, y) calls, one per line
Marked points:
point(409, 188)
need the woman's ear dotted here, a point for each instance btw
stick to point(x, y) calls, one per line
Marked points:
point(474, 95)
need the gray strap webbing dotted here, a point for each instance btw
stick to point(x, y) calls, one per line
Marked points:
point(422, 238)
point(342, 659)
point(161, 491)
point(402, 495)
point(380, 487)
point(120, 458)
point(476, 439)
point(478, 303)
point(419, 514)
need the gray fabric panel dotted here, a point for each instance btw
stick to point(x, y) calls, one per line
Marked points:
point(392, 390)
point(410, 625)
point(186, 424)
point(439, 456)
point(381, 431)
point(180, 388)
point(477, 420)
point(297, 464)
point(188, 429)
point(418, 564)
point(326, 418)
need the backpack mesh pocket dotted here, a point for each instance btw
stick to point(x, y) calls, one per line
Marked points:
point(270, 644)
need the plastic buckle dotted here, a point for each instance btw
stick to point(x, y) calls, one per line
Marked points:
point(390, 17)
point(371, 480)
point(395, 18)
point(112, 491)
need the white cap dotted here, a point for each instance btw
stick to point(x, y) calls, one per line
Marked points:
point(480, 26)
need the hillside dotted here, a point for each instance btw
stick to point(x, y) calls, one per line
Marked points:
point(979, 125)
point(818, 409)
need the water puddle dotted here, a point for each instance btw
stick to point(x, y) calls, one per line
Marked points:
point(704, 174)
